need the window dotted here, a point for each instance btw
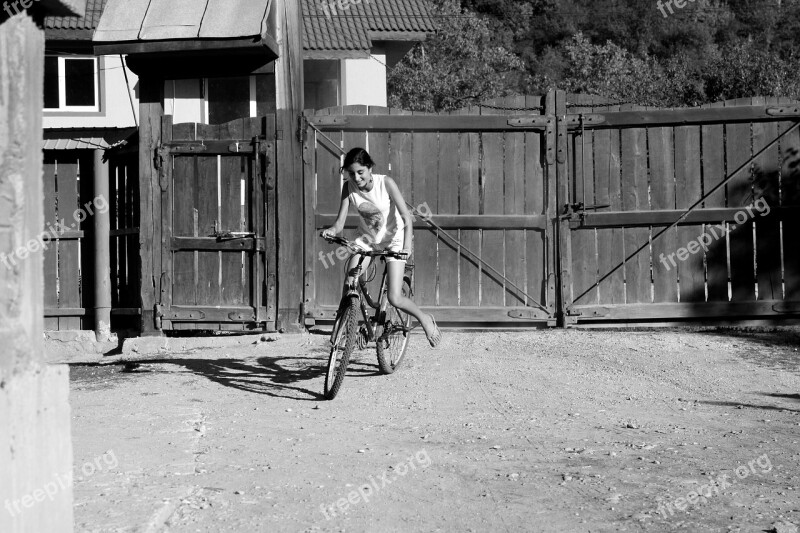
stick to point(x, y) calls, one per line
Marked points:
point(71, 84)
point(247, 96)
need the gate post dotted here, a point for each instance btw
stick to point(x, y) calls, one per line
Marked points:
point(562, 199)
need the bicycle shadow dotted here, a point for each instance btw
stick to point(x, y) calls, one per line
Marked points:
point(279, 377)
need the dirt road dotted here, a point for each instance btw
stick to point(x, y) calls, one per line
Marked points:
point(538, 431)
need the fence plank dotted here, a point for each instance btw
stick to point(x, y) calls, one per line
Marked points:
point(51, 250)
point(635, 197)
point(738, 151)
point(609, 241)
point(768, 229)
point(662, 194)
point(584, 248)
point(790, 195)
point(469, 152)
point(492, 202)
point(535, 253)
point(713, 157)
point(514, 196)
point(425, 189)
point(68, 251)
point(447, 203)
point(688, 189)
point(208, 266)
point(234, 216)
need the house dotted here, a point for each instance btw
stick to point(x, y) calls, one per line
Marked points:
point(349, 46)
point(90, 105)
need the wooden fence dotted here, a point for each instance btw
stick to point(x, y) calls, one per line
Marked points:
point(68, 232)
point(66, 278)
point(125, 256)
point(484, 182)
point(728, 259)
point(577, 210)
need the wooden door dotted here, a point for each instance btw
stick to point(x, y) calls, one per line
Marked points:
point(218, 227)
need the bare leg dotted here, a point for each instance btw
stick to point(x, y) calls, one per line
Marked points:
point(351, 265)
point(396, 298)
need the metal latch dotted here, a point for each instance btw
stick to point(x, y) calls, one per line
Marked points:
point(227, 235)
point(577, 211)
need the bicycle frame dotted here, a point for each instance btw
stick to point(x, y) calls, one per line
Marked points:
point(358, 289)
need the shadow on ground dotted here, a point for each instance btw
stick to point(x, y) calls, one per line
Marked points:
point(281, 377)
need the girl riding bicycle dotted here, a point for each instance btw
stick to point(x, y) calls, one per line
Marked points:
point(386, 224)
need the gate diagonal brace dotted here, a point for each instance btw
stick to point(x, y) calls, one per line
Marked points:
point(721, 184)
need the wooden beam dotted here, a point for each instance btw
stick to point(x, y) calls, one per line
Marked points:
point(266, 46)
point(618, 219)
point(534, 222)
point(512, 315)
point(420, 123)
point(247, 244)
point(683, 117)
point(699, 310)
point(151, 110)
point(65, 311)
point(287, 21)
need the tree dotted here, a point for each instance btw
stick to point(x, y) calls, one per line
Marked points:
point(459, 65)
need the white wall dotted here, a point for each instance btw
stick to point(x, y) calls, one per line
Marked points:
point(364, 81)
point(116, 113)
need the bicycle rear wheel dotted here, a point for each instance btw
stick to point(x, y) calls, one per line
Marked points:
point(344, 340)
point(393, 334)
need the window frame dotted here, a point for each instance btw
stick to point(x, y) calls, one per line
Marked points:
point(62, 86)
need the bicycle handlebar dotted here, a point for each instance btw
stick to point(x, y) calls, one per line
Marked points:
point(355, 248)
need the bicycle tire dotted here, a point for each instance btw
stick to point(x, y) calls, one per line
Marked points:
point(394, 335)
point(346, 329)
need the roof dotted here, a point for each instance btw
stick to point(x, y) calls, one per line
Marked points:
point(75, 28)
point(354, 27)
point(80, 139)
point(146, 25)
point(326, 26)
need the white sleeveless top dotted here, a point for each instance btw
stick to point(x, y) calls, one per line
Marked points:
point(380, 222)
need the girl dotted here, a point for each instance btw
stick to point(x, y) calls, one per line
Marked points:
point(386, 224)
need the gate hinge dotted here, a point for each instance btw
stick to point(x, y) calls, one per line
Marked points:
point(161, 153)
point(158, 315)
point(302, 128)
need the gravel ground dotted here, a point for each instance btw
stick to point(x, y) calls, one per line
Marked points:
point(553, 430)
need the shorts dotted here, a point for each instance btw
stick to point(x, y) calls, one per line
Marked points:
point(395, 245)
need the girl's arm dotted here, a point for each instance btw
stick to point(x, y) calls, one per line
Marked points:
point(397, 197)
point(344, 206)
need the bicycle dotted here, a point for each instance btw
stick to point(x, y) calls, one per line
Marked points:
point(389, 328)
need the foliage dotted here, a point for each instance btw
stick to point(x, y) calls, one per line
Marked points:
point(625, 50)
point(458, 65)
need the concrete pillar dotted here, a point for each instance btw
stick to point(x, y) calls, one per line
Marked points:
point(102, 249)
point(35, 440)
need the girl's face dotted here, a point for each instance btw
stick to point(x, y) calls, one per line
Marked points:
point(361, 176)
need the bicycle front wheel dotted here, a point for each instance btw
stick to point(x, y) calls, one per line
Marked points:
point(394, 334)
point(344, 340)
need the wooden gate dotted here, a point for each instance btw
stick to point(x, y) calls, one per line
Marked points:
point(482, 188)
point(632, 250)
point(218, 223)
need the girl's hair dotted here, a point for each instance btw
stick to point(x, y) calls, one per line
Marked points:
point(360, 156)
